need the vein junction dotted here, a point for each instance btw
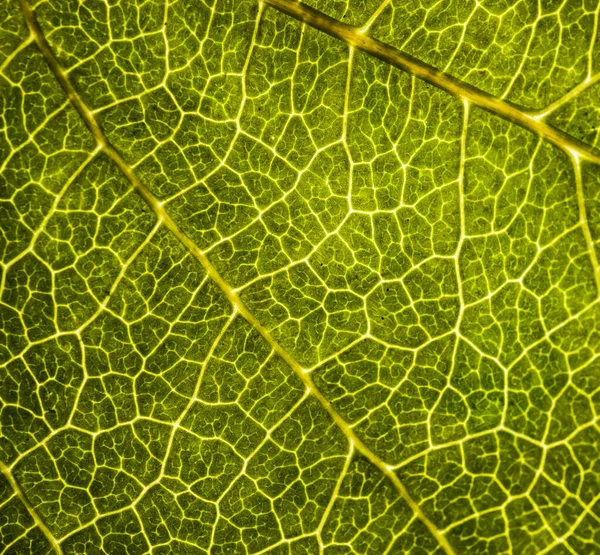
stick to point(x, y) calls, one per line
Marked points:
point(356, 38)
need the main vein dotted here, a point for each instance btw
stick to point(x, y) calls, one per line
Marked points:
point(395, 57)
point(164, 217)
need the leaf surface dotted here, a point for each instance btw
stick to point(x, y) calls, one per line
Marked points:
point(284, 281)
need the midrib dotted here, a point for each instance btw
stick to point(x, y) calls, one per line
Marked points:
point(356, 38)
point(235, 300)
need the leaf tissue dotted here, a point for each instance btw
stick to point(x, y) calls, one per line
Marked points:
point(284, 278)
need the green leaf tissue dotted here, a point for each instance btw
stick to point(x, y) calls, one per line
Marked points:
point(291, 278)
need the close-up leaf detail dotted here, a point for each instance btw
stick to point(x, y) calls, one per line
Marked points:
point(285, 278)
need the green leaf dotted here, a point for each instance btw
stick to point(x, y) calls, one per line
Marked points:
point(287, 281)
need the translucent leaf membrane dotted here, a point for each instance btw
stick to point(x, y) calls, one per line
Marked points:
point(392, 346)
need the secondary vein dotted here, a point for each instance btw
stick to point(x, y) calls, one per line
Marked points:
point(234, 299)
point(38, 521)
point(355, 37)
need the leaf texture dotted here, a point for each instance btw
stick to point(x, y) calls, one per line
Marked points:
point(286, 281)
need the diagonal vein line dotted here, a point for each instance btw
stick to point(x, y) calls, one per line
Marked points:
point(23, 498)
point(234, 299)
point(395, 57)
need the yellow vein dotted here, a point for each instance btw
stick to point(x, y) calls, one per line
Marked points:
point(585, 225)
point(575, 91)
point(234, 299)
point(374, 16)
point(395, 57)
point(15, 53)
point(38, 521)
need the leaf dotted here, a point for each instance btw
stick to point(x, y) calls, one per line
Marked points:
point(277, 280)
